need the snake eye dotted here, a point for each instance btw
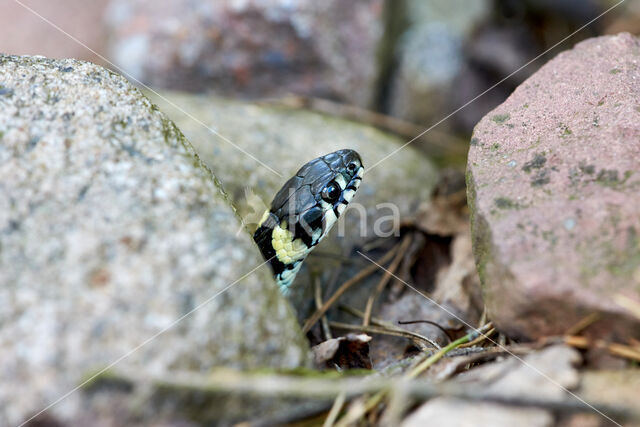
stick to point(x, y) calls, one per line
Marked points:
point(331, 192)
point(352, 166)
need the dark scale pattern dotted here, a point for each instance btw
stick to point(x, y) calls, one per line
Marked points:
point(299, 202)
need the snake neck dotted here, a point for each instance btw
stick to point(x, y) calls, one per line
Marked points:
point(284, 252)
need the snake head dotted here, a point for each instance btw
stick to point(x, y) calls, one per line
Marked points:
point(312, 200)
point(304, 210)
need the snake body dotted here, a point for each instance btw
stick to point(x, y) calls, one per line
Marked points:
point(304, 210)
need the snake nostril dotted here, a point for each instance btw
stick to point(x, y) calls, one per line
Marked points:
point(352, 166)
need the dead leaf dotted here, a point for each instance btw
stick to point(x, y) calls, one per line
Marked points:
point(348, 352)
point(458, 285)
point(446, 214)
point(440, 218)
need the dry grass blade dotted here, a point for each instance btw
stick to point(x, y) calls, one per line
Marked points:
point(427, 322)
point(613, 348)
point(631, 305)
point(229, 382)
point(431, 360)
point(483, 317)
point(365, 272)
point(335, 410)
point(397, 404)
point(374, 320)
point(388, 326)
point(358, 411)
point(624, 351)
point(583, 324)
point(385, 279)
point(479, 339)
point(357, 313)
point(318, 297)
point(396, 332)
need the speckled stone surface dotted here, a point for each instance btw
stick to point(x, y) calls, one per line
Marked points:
point(554, 185)
point(111, 229)
point(284, 139)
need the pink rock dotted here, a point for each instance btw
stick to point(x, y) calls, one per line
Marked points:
point(554, 187)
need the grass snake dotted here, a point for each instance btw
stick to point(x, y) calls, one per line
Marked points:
point(304, 210)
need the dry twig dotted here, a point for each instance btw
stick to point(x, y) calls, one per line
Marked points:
point(479, 339)
point(629, 304)
point(388, 326)
point(388, 273)
point(431, 360)
point(296, 387)
point(335, 410)
point(396, 332)
point(428, 322)
point(318, 297)
point(345, 286)
point(583, 324)
point(613, 348)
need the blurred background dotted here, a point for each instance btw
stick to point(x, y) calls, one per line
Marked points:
point(412, 62)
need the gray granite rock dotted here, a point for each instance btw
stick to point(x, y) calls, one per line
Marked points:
point(553, 187)
point(111, 229)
